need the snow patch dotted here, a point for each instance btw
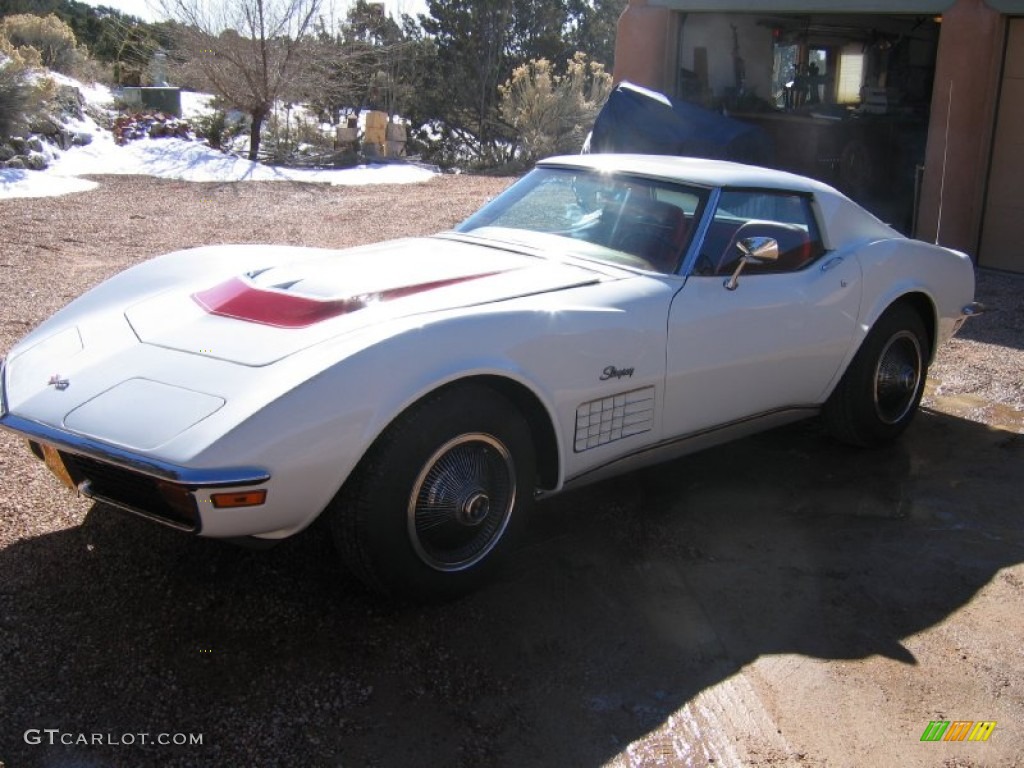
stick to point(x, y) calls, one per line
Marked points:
point(195, 105)
point(170, 158)
point(18, 183)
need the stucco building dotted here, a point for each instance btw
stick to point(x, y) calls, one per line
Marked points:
point(913, 107)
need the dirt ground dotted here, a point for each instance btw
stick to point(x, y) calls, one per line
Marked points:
point(780, 601)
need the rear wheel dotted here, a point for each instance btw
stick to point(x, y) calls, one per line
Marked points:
point(426, 512)
point(879, 394)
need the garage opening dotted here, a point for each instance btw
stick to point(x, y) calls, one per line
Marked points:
point(846, 98)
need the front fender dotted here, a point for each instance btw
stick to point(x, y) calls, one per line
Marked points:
point(313, 436)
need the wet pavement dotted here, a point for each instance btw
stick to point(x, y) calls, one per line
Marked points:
point(783, 600)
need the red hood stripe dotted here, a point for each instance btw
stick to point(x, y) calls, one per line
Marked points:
point(239, 299)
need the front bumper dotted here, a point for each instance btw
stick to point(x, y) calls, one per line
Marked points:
point(140, 484)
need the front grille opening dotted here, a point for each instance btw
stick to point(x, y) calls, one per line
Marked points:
point(136, 492)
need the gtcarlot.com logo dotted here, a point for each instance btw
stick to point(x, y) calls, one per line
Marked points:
point(55, 736)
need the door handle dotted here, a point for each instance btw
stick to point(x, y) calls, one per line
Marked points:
point(832, 263)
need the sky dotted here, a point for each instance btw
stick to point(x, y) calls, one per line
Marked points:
point(148, 9)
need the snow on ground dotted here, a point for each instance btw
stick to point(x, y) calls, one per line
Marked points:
point(172, 159)
point(17, 183)
point(195, 105)
point(96, 94)
point(192, 161)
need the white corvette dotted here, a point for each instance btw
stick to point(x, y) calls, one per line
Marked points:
point(603, 313)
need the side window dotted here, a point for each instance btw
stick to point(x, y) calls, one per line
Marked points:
point(786, 217)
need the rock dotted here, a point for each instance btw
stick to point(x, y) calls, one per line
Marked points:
point(36, 162)
point(82, 139)
point(47, 125)
point(70, 101)
point(18, 144)
point(6, 153)
point(34, 144)
point(16, 162)
point(65, 139)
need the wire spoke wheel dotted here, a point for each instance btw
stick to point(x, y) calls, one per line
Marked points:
point(897, 377)
point(438, 499)
point(461, 502)
point(878, 395)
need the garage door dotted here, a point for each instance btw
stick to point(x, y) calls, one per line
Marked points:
point(1002, 234)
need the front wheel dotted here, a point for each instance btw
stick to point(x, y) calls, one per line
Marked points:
point(425, 513)
point(878, 395)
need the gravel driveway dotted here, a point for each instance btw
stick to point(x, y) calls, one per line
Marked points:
point(780, 601)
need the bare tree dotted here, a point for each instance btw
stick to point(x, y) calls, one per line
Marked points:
point(248, 52)
point(367, 60)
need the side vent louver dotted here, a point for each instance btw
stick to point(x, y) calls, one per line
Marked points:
point(612, 418)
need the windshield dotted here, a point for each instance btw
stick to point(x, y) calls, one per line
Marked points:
point(617, 219)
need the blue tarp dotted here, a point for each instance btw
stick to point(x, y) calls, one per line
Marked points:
point(636, 119)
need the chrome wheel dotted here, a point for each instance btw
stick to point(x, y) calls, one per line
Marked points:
point(461, 502)
point(878, 395)
point(898, 377)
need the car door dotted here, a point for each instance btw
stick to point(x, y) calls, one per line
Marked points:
point(774, 341)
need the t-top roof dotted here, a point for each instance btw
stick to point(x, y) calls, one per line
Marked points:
point(706, 173)
point(844, 221)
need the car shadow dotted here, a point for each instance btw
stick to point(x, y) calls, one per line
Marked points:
point(623, 602)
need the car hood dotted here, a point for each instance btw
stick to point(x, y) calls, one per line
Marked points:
point(276, 306)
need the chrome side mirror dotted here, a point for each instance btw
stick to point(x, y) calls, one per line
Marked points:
point(755, 250)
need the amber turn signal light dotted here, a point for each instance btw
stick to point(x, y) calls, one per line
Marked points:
point(244, 499)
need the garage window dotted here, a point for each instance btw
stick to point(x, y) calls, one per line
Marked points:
point(851, 76)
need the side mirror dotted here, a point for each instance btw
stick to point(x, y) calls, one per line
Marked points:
point(755, 250)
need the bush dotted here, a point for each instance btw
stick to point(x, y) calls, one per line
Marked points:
point(47, 38)
point(551, 112)
point(291, 134)
point(26, 57)
point(214, 127)
point(18, 96)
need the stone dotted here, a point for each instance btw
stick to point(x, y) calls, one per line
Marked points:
point(47, 125)
point(36, 162)
point(34, 144)
point(6, 153)
point(70, 101)
point(16, 162)
point(82, 139)
point(19, 127)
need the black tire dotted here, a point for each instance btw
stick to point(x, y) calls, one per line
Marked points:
point(877, 397)
point(427, 510)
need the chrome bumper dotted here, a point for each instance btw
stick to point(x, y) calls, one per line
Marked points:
point(189, 477)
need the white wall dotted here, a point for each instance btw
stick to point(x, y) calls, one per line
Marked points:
point(713, 32)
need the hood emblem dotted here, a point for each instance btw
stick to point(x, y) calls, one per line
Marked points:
point(58, 383)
